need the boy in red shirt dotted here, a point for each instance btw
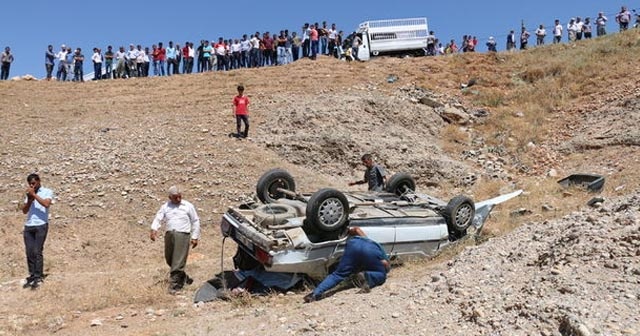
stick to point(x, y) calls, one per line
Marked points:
point(241, 111)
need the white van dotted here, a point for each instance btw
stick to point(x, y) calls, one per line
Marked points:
point(393, 37)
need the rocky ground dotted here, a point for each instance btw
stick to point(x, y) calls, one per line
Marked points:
point(111, 149)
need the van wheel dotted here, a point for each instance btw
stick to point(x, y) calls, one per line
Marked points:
point(327, 211)
point(269, 182)
point(459, 214)
point(401, 183)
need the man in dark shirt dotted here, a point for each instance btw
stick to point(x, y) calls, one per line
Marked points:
point(374, 175)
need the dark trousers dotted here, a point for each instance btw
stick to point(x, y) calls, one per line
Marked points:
point(305, 48)
point(171, 63)
point(176, 251)
point(240, 118)
point(97, 71)
point(4, 70)
point(34, 237)
point(49, 68)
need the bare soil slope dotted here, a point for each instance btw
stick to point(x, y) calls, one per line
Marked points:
point(110, 150)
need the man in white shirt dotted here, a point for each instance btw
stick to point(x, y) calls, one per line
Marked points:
point(540, 34)
point(62, 64)
point(557, 32)
point(601, 24)
point(182, 227)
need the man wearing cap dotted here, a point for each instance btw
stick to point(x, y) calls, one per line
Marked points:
point(182, 227)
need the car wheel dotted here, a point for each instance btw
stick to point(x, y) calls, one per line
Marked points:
point(273, 214)
point(459, 214)
point(269, 182)
point(400, 183)
point(327, 211)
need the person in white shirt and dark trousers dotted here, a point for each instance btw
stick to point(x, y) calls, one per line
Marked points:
point(182, 228)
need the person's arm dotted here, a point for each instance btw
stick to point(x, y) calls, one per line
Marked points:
point(363, 181)
point(155, 225)
point(234, 106)
point(195, 226)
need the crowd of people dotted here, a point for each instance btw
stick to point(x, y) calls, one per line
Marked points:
point(268, 49)
point(576, 29)
point(250, 51)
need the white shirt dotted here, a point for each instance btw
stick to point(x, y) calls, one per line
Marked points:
point(61, 55)
point(255, 43)
point(245, 45)
point(332, 34)
point(235, 47)
point(192, 52)
point(96, 58)
point(557, 31)
point(181, 218)
point(541, 32)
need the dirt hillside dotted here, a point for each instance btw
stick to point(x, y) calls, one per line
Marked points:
point(548, 264)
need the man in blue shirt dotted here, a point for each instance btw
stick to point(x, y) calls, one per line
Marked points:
point(363, 258)
point(36, 207)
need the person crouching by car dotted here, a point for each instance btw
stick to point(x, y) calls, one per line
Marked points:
point(363, 259)
point(374, 175)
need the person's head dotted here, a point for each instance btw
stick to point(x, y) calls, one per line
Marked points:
point(50, 47)
point(109, 48)
point(34, 181)
point(557, 22)
point(131, 46)
point(240, 89)
point(175, 196)
point(170, 43)
point(600, 14)
point(7, 49)
point(367, 160)
point(541, 26)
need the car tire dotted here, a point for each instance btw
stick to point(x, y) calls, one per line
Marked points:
point(269, 182)
point(273, 214)
point(459, 214)
point(399, 182)
point(327, 211)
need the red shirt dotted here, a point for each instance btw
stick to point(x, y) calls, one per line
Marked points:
point(162, 54)
point(314, 35)
point(185, 51)
point(241, 103)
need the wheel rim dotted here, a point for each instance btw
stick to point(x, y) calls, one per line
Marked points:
point(273, 188)
point(463, 216)
point(330, 213)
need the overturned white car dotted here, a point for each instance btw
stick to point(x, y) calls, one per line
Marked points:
point(305, 233)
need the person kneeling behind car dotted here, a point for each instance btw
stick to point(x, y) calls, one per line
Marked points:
point(363, 258)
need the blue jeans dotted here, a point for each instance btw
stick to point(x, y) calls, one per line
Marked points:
point(360, 254)
point(34, 237)
point(314, 49)
point(282, 55)
point(323, 44)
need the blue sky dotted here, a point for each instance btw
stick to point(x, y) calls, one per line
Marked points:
point(30, 25)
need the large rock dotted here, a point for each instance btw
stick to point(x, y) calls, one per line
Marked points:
point(454, 115)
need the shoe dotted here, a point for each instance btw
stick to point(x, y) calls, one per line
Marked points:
point(28, 283)
point(310, 298)
point(360, 281)
point(35, 284)
point(188, 280)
